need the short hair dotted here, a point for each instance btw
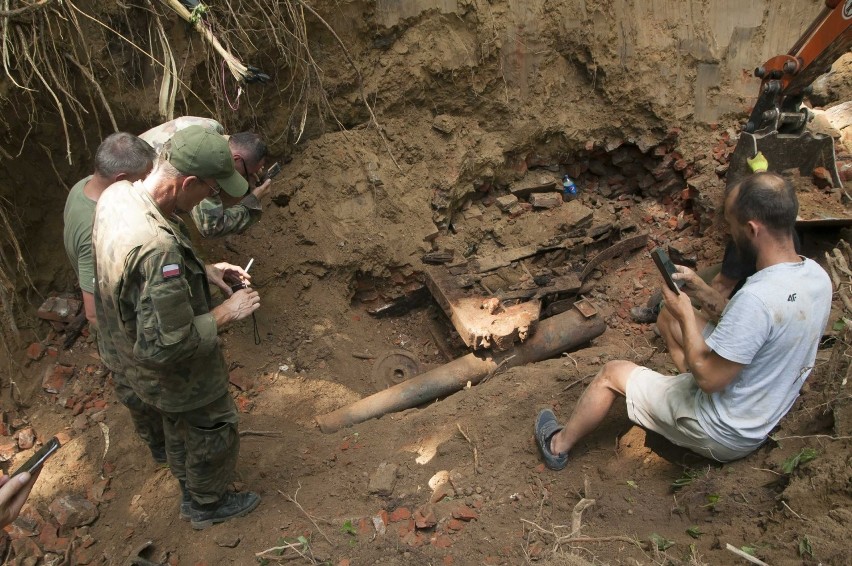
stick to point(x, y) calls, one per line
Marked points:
point(767, 198)
point(249, 145)
point(123, 153)
point(163, 167)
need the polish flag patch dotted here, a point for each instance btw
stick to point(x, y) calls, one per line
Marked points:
point(171, 270)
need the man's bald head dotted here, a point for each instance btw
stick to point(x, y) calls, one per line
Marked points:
point(766, 198)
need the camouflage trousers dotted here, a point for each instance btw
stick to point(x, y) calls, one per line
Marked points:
point(147, 421)
point(202, 446)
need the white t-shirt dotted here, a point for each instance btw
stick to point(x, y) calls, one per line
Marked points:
point(773, 325)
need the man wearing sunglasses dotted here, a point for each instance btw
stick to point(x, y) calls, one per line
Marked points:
point(218, 216)
point(158, 325)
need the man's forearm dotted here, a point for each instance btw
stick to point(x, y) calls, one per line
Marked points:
point(712, 303)
point(695, 349)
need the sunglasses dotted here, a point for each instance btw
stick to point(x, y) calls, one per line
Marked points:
point(214, 189)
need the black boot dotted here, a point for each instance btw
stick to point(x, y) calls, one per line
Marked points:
point(230, 506)
point(159, 455)
point(185, 502)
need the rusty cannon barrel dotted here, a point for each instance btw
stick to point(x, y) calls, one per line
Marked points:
point(551, 337)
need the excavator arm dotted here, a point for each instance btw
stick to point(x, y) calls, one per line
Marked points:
point(776, 126)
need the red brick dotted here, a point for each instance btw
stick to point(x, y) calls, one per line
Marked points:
point(365, 526)
point(35, 351)
point(50, 542)
point(244, 404)
point(73, 511)
point(455, 525)
point(56, 377)
point(8, 448)
point(441, 492)
point(442, 541)
point(85, 555)
point(59, 309)
point(343, 562)
point(405, 528)
point(241, 379)
point(448, 560)
point(424, 517)
point(464, 513)
point(400, 514)
point(822, 178)
point(383, 515)
point(540, 468)
point(77, 409)
point(25, 548)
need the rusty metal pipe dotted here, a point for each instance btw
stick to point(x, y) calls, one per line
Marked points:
point(551, 337)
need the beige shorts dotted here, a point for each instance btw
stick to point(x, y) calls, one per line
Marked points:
point(666, 405)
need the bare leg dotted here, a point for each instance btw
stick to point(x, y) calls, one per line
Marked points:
point(593, 405)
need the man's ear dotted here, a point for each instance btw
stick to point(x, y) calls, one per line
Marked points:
point(187, 182)
point(753, 228)
point(120, 177)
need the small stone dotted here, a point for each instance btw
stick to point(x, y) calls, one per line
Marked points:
point(26, 438)
point(59, 309)
point(444, 124)
point(545, 200)
point(81, 423)
point(26, 548)
point(383, 479)
point(73, 511)
point(380, 524)
point(455, 525)
point(228, 541)
point(56, 377)
point(505, 203)
point(241, 379)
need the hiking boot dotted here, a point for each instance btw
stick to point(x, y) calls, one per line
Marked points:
point(230, 506)
point(159, 455)
point(645, 315)
point(185, 503)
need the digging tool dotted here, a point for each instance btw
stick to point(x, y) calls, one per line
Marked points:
point(777, 124)
point(552, 336)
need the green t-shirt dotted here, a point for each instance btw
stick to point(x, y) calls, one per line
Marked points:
point(79, 218)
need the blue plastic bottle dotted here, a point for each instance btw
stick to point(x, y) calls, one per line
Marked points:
point(569, 189)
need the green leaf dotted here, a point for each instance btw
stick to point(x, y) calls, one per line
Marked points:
point(805, 547)
point(839, 325)
point(750, 550)
point(694, 531)
point(661, 543)
point(712, 500)
point(804, 456)
point(303, 541)
point(632, 484)
point(348, 528)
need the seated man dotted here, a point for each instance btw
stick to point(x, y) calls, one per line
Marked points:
point(746, 372)
point(218, 216)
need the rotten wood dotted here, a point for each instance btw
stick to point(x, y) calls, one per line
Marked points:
point(624, 246)
point(481, 322)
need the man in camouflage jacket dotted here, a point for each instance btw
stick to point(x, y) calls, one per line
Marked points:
point(157, 326)
point(219, 216)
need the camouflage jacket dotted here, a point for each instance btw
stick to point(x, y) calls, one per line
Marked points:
point(214, 220)
point(153, 303)
point(210, 216)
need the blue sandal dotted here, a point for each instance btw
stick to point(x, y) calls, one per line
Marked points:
point(546, 426)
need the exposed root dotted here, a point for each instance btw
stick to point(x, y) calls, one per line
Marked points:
point(302, 509)
point(473, 446)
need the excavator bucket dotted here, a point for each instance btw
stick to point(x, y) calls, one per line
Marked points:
point(804, 151)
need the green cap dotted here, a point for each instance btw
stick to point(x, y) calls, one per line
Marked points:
point(200, 152)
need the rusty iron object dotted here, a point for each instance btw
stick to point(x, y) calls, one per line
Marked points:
point(552, 337)
point(394, 367)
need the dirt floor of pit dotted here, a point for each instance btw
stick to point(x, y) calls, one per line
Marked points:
point(510, 507)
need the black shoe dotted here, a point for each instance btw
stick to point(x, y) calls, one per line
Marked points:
point(645, 315)
point(230, 506)
point(159, 455)
point(546, 426)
